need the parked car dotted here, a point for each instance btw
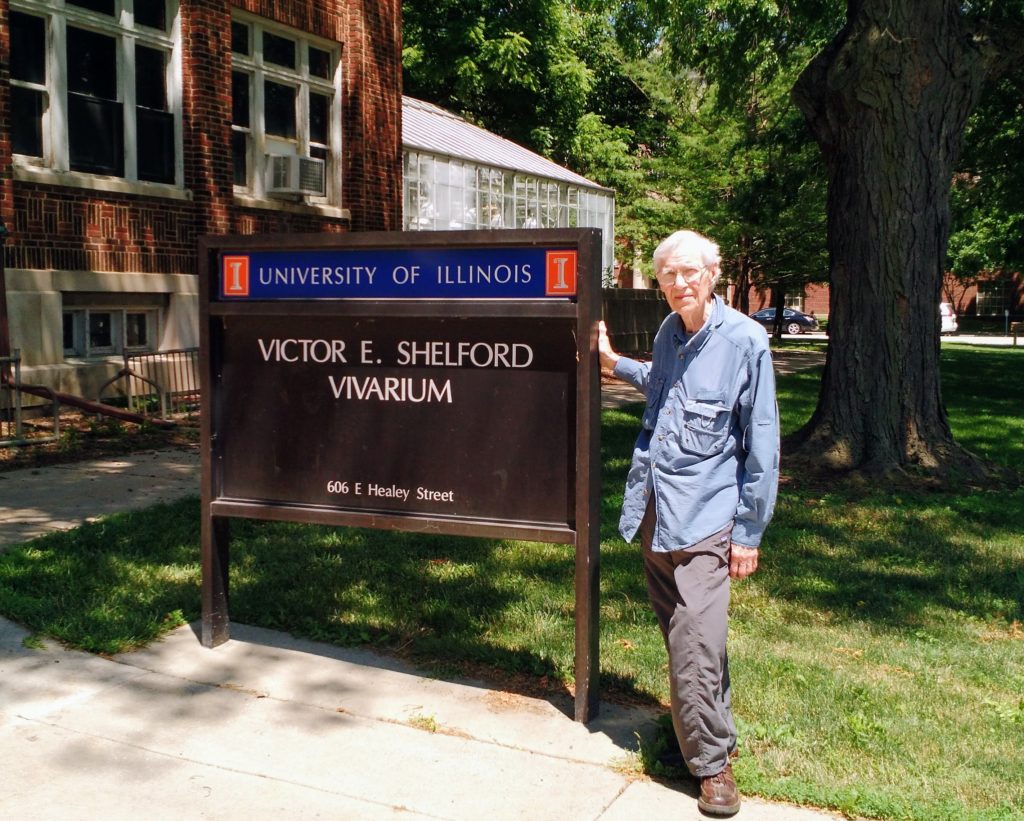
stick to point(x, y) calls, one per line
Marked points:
point(948, 317)
point(793, 321)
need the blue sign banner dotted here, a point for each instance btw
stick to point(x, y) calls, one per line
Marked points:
point(399, 273)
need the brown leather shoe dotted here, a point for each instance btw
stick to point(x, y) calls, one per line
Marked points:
point(718, 793)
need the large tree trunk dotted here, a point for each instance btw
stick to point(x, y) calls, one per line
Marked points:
point(887, 101)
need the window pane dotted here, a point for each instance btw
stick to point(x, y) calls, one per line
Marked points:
point(92, 64)
point(239, 148)
point(991, 298)
point(135, 330)
point(28, 48)
point(100, 333)
point(151, 13)
point(319, 63)
point(278, 50)
point(27, 122)
point(240, 98)
point(69, 331)
point(150, 78)
point(319, 153)
point(95, 129)
point(319, 117)
point(102, 6)
point(279, 107)
point(155, 133)
point(239, 37)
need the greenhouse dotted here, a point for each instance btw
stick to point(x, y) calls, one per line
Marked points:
point(459, 176)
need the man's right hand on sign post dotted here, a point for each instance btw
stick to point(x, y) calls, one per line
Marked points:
point(604, 348)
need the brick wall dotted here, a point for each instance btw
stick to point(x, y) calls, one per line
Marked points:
point(963, 294)
point(72, 229)
point(55, 227)
point(816, 300)
point(373, 113)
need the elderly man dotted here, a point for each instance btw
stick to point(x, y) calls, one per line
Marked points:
point(700, 491)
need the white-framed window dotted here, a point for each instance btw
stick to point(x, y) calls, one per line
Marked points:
point(96, 88)
point(105, 331)
point(285, 102)
point(795, 300)
point(992, 298)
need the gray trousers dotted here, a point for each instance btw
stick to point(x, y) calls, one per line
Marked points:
point(689, 592)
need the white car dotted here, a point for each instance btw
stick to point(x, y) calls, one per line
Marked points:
point(948, 317)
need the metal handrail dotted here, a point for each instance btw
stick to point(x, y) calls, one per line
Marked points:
point(126, 373)
point(13, 387)
point(172, 376)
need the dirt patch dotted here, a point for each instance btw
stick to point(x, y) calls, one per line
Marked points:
point(791, 360)
point(83, 437)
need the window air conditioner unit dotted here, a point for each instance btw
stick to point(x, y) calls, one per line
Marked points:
point(289, 174)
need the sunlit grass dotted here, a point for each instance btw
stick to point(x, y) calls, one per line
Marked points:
point(877, 655)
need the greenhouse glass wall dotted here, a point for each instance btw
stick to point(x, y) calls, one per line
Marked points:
point(445, 193)
point(461, 176)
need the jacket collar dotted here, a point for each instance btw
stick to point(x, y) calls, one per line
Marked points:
point(698, 340)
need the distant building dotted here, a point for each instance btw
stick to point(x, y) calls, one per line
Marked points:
point(460, 176)
point(128, 128)
point(990, 297)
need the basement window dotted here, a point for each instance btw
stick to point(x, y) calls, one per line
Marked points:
point(97, 330)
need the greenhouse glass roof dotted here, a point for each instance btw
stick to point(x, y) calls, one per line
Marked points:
point(427, 127)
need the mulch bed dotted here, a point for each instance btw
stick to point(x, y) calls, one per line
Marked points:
point(83, 437)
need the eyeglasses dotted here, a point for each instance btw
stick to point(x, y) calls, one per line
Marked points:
point(668, 276)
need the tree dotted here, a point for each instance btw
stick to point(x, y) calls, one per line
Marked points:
point(888, 98)
point(739, 163)
point(517, 67)
point(987, 200)
point(888, 101)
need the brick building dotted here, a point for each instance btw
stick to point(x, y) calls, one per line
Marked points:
point(128, 128)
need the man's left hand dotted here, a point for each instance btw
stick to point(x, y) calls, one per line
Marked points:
point(742, 561)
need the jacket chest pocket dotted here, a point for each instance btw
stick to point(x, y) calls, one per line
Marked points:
point(705, 426)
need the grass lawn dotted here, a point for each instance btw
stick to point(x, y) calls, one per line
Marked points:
point(877, 655)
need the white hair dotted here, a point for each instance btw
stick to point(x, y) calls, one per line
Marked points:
point(692, 242)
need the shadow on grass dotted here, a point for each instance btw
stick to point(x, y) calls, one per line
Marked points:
point(899, 561)
point(111, 585)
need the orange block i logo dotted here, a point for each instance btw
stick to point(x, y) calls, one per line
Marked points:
point(561, 273)
point(235, 276)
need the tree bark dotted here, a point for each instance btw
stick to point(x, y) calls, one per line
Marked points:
point(779, 301)
point(741, 294)
point(888, 101)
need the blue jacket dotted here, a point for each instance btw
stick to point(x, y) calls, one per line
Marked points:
point(709, 447)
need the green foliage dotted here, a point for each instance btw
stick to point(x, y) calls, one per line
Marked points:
point(988, 191)
point(749, 176)
point(683, 107)
point(744, 46)
point(621, 93)
point(601, 151)
point(515, 68)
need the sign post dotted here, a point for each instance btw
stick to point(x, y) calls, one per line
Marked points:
point(441, 382)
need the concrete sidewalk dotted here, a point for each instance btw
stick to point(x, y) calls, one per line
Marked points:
point(270, 727)
point(36, 501)
point(267, 726)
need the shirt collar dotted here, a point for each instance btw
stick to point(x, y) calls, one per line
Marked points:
point(696, 341)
